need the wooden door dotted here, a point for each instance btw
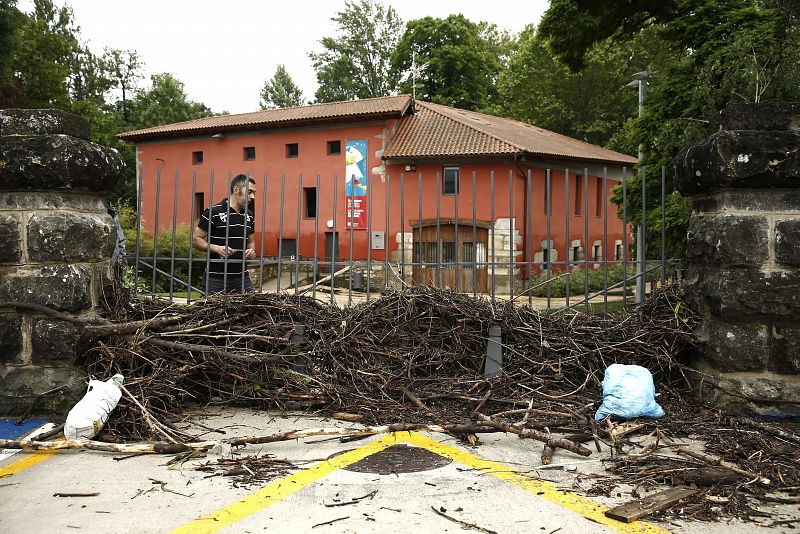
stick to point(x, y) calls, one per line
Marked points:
point(450, 262)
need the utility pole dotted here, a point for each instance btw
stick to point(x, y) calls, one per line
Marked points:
point(640, 83)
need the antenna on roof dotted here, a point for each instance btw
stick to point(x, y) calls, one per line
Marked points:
point(415, 71)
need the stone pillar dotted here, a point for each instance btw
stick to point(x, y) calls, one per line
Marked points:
point(744, 254)
point(56, 243)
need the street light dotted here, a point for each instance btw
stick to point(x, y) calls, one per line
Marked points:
point(639, 83)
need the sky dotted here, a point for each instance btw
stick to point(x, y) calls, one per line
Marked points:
point(224, 51)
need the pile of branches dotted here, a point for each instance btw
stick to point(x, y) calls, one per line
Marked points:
point(416, 357)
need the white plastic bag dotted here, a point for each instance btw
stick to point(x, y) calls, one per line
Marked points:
point(87, 417)
point(628, 392)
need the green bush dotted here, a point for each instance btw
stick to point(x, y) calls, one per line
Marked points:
point(577, 280)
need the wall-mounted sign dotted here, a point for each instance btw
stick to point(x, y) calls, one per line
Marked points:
point(355, 184)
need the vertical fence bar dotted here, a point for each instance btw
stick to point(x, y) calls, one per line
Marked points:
point(421, 270)
point(491, 194)
point(644, 234)
point(351, 222)
point(605, 240)
point(155, 232)
point(174, 226)
point(280, 236)
point(369, 234)
point(586, 237)
point(334, 239)
point(244, 233)
point(529, 235)
point(208, 234)
point(227, 234)
point(402, 229)
point(138, 233)
point(386, 233)
point(663, 228)
point(316, 241)
point(567, 261)
point(192, 224)
point(263, 231)
point(625, 238)
point(438, 231)
point(457, 242)
point(512, 244)
point(548, 205)
point(297, 239)
point(474, 241)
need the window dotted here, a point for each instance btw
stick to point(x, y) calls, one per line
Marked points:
point(618, 252)
point(448, 253)
point(310, 196)
point(249, 153)
point(600, 192)
point(292, 150)
point(450, 181)
point(197, 157)
point(597, 253)
point(199, 204)
point(545, 256)
point(334, 147)
point(576, 253)
point(288, 248)
point(578, 186)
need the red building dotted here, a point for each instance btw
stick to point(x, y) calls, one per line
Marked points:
point(429, 170)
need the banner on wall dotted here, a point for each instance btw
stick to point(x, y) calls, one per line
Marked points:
point(355, 184)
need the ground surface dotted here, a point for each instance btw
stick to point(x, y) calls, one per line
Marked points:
point(497, 486)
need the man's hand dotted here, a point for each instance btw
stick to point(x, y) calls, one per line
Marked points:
point(250, 253)
point(223, 251)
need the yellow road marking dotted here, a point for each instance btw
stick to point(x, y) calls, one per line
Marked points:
point(30, 460)
point(280, 489)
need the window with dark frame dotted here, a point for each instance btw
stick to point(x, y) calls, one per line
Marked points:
point(249, 153)
point(310, 197)
point(199, 204)
point(597, 253)
point(578, 190)
point(292, 150)
point(450, 181)
point(334, 147)
point(197, 157)
point(599, 207)
point(618, 252)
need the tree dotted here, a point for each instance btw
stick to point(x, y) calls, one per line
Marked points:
point(11, 20)
point(355, 63)
point(280, 91)
point(125, 70)
point(164, 102)
point(458, 64)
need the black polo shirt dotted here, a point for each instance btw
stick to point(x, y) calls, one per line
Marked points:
point(225, 221)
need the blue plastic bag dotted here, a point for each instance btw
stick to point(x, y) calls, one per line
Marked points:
point(628, 392)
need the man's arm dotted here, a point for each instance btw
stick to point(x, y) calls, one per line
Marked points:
point(250, 253)
point(200, 242)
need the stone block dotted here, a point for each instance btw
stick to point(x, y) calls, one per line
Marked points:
point(743, 294)
point(730, 240)
point(739, 159)
point(21, 385)
point(70, 237)
point(761, 116)
point(10, 339)
point(10, 239)
point(63, 287)
point(42, 122)
point(57, 162)
point(737, 347)
point(54, 341)
point(776, 200)
point(787, 242)
point(52, 200)
point(785, 351)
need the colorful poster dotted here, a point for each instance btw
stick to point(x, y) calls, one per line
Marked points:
point(355, 184)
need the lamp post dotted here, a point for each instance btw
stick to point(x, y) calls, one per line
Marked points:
point(639, 83)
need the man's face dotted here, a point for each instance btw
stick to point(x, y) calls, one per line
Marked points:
point(240, 194)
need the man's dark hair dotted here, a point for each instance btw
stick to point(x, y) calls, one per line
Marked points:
point(239, 180)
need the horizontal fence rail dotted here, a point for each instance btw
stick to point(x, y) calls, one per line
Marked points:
point(550, 238)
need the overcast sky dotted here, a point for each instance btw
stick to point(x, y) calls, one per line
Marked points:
point(224, 50)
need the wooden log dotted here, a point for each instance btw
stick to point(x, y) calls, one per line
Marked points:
point(547, 454)
point(544, 437)
point(727, 465)
point(634, 510)
point(309, 287)
point(127, 448)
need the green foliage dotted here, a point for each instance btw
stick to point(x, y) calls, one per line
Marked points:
point(355, 63)
point(458, 61)
point(164, 102)
point(280, 91)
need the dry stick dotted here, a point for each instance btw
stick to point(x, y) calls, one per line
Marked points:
point(535, 434)
point(206, 349)
point(727, 465)
point(464, 524)
point(129, 328)
point(547, 454)
point(416, 400)
point(151, 421)
point(788, 436)
point(482, 402)
point(127, 448)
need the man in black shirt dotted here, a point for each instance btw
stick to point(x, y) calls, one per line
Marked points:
point(225, 231)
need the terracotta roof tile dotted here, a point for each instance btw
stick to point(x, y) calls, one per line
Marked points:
point(441, 131)
point(390, 105)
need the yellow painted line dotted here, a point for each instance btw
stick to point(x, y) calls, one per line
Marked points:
point(280, 489)
point(547, 490)
point(24, 463)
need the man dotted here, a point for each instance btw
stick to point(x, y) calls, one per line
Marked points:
point(230, 227)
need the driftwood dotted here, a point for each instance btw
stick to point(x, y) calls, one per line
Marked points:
point(544, 437)
point(727, 465)
point(652, 503)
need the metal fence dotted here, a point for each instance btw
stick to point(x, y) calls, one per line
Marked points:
point(495, 245)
